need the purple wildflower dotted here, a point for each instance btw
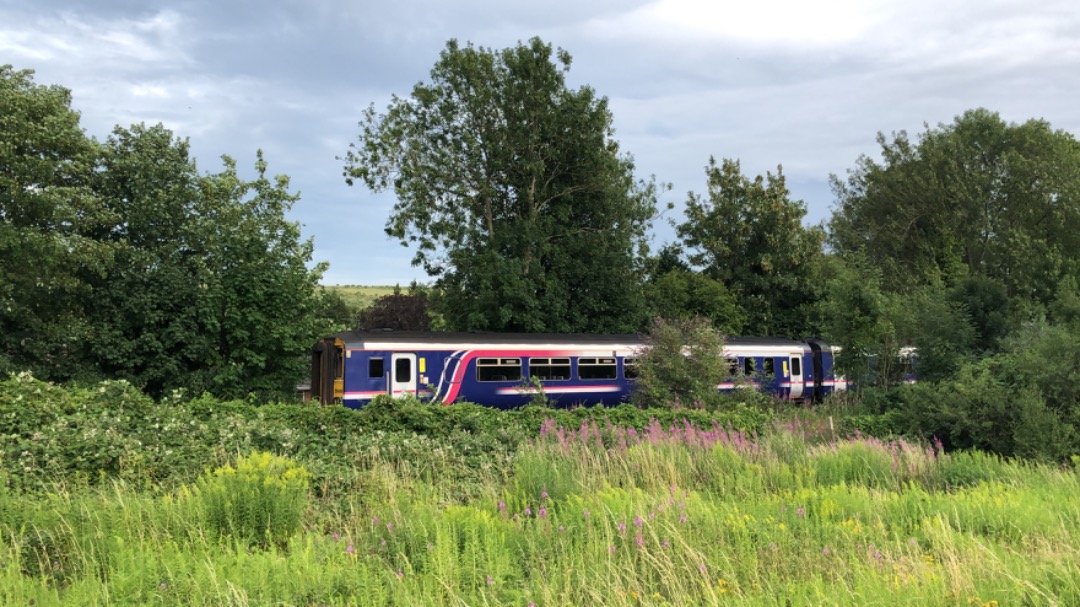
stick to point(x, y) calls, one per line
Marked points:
point(502, 507)
point(638, 522)
point(542, 512)
point(350, 550)
point(586, 513)
point(801, 512)
point(490, 580)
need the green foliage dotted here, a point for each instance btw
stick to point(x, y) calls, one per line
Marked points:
point(681, 364)
point(749, 235)
point(48, 211)
point(261, 500)
point(978, 196)
point(683, 294)
point(121, 261)
point(1018, 403)
point(662, 514)
point(526, 228)
point(397, 311)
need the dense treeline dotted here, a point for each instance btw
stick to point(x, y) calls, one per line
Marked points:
point(121, 260)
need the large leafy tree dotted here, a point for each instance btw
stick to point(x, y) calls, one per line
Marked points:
point(976, 197)
point(210, 288)
point(513, 192)
point(46, 209)
point(749, 234)
point(118, 259)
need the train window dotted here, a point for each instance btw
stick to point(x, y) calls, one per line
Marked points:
point(796, 367)
point(403, 370)
point(629, 368)
point(770, 368)
point(549, 368)
point(748, 367)
point(375, 368)
point(498, 369)
point(732, 366)
point(597, 368)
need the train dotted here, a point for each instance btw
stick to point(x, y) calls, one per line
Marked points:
point(507, 370)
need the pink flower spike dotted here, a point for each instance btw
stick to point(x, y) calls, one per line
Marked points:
point(586, 513)
point(502, 506)
point(350, 549)
point(400, 574)
point(490, 581)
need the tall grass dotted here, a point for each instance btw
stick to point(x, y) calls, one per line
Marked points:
point(588, 515)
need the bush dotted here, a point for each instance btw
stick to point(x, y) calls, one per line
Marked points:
point(260, 501)
point(682, 365)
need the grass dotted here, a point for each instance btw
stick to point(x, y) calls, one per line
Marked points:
point(587, 516)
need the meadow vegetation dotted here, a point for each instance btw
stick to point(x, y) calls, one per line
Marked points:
point(111, 498)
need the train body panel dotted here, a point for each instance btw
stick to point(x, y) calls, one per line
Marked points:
point(507, 370)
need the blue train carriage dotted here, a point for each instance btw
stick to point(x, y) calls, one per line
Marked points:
point(497, 369)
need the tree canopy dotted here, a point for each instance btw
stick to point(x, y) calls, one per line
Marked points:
point(513, 192)
point(976, 197)
point(749, 235)
point(118, 259)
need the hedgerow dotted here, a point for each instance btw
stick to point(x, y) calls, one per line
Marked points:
point(92, 434)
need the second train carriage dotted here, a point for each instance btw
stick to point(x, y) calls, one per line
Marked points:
point(498, 369)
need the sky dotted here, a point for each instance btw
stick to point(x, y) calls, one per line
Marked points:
point(806, 85)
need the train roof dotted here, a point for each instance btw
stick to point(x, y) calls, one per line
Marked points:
point(362, 338)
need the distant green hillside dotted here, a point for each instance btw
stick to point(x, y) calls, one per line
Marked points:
point(359, 297)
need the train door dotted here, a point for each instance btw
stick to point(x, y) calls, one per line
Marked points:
point(795, 372)
point(403, 375)
point(328, 371)
point(818, 368)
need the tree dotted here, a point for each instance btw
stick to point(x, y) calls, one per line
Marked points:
point(46, 210)
point(259, 300)
point(210, 287)
point(749, 235)
point(398, 311)
point(513, 192)
point(978, 197)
